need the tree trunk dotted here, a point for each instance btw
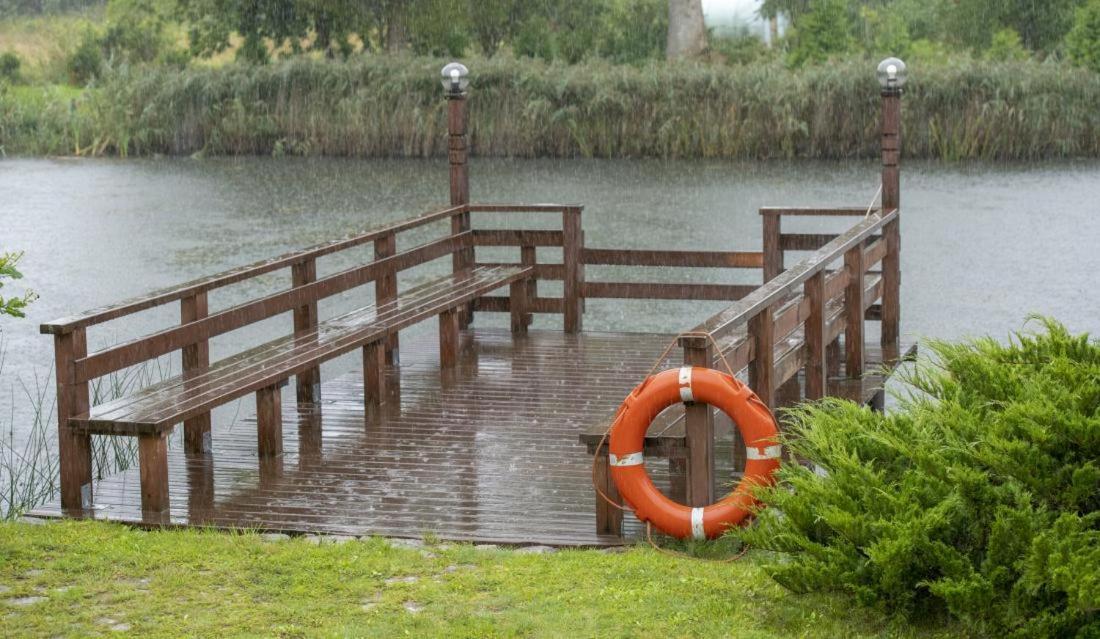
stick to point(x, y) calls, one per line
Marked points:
point(687, 34)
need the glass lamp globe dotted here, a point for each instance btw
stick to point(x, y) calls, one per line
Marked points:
point(455, 77)
point(892, 73)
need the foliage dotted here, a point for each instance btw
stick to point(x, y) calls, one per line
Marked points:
point(1006, 45)
point(202, 583)
point(10, 63)
point(86, 60)
point(1083, 41)
point(13, 306)
point(979, 497)
point(822, 32)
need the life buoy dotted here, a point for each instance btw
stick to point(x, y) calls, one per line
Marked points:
point(627, 460)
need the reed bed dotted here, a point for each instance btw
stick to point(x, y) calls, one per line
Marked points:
point(386, 106)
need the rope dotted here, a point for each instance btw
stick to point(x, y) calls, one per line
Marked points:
point(871, 206)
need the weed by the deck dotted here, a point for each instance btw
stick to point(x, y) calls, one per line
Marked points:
point(86, 578)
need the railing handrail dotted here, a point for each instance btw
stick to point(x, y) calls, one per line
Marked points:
point(790, 280)
point(234, 275)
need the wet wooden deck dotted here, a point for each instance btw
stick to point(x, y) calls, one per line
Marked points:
point(488, 453)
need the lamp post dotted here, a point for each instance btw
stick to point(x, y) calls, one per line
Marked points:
point(455, 79)
point(892, 75)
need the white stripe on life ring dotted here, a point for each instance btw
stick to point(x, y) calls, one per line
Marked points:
point(765, 452)
point(685, 385)
point(631, 459)
point(697, 531)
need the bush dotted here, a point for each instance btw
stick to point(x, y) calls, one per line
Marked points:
point(823, 32)
point(9, 66)
point(1083, 41)
point(1005, 46)
point(979, 497)
point(86, 61)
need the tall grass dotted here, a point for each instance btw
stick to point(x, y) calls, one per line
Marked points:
point(386, 106)
point(29, 472)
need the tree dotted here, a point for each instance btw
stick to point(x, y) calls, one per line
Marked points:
point(13, 306)
point(1083, 41)
point(825, 30)
point(687, 33)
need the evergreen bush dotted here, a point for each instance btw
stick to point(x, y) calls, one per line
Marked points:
point(979, 497)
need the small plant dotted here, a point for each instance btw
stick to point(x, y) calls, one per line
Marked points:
point(979, 497)
point(10, 64)
point(13, 306)
point(86, 61)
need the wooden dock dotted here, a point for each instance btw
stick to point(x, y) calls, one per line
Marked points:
point(483, 435)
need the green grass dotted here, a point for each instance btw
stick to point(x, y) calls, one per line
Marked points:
point(91, 576)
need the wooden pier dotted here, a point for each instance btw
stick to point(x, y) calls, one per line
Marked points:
point(479, 433)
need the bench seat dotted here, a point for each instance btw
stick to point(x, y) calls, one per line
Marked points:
point(158, 408)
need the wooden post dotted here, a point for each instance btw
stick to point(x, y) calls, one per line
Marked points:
point(816, 373)
point(762, 367)
point(699, 431)
point(517, 302)
point(74, 448)
point(269, 421)
point(773, 254)
point(153, 469)
point(374, 373)
point(196, 431)
point(448, 338)
point(385, 290)
point(308, 382)
point(572, 256)
point(609, 519)
point(528, 257)
point(891, 200)
point(853, 312)
point(458, 152)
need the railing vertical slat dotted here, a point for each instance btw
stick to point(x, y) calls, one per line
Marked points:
point(385, 290)
point(74, 449)
point(572, 251)
point(762, 367)
point(853, 312)
point(773, 254)
point(196, 431)
point(814, 290)
point(528, 257)
point(305, 319)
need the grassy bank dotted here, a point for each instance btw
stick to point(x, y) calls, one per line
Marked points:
point(90, 579)
point(382, 106)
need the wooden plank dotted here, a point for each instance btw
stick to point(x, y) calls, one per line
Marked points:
point(500, 304)
point(874, 253)
point(529, 258)
point(814, 335)
point(853, 309)
point(699, 427)
point(804, 241)
point(308, 382)
point(166, 341)
point(518, 295)
point(239, 274)
point(519, 208)
point(762, 367)
point(513, 237)
point(710, 259)
point(448, 338)
point(374, 372)
point(572, 257)
point(269, 421)
point(609, 518)
point(196, 431)
point(842, 211)
point(541, 271)
point(385, 291)
point(74, 447)
point(665, 291)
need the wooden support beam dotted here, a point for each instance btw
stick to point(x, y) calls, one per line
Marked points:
point(529, 257)
point(853, 312)
point(891, 232)
point(153, 468)
point(196, 430)
point(773, 253)
point(699, 429)
point(448, 338)
point(517, 292)
point(609, 519)
point(572, 252)
point(374, 373)
point(814, 331)
point(269, 421)
point(74, 448)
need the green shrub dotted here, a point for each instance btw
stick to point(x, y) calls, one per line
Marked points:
point(10, 63)
point(86, 61)
point(1006, 45)
point(823, 32)
point(1083, 41)
point(979, 497)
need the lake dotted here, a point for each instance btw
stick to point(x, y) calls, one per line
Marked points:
point(983, 246)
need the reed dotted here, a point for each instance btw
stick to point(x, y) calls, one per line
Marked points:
point(391, 106)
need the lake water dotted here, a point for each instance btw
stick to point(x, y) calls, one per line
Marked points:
point(983, 245)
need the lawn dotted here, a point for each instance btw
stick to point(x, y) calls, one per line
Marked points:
point(96, 579)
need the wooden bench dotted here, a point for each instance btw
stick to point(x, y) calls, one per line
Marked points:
point(152, 413)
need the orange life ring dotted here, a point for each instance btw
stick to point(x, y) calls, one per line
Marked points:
point(627, 445)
